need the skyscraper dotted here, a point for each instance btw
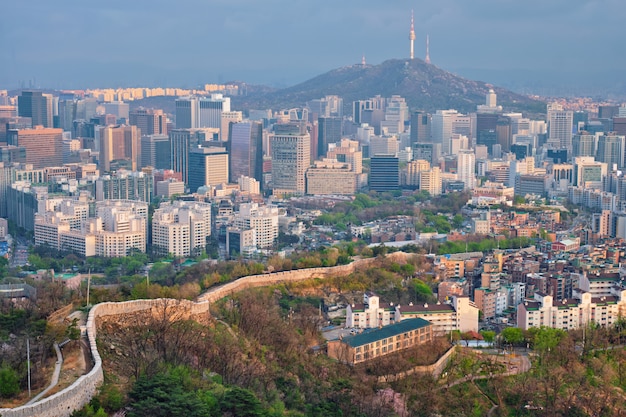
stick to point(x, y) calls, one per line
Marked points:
point(291, 156)
point(181, 140)
point(329, 131)
point(583, 144)
point(210, 167)
point(119, 147)
point(155, 151)
point(149, 121)
point(210, 110)
point(560, 124)
point(441, 129)
point(246, 150)
point(186, 113)
point(384, 173)
point(420, 127)
point(44, 146)
point(37, 106)
point(611, 150)
point(466, 170)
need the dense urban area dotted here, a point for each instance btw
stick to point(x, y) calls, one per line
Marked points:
point(234, 250)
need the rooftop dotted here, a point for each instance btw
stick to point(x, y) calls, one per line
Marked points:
point(373, 335)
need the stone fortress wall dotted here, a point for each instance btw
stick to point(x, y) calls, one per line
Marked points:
point(77, 395)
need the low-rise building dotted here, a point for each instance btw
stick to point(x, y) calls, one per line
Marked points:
point(382, 341)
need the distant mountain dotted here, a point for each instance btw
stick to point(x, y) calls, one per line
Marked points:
point(424, 86)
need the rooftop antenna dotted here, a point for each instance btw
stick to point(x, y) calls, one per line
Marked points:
point(412, 34)
point(427, 59)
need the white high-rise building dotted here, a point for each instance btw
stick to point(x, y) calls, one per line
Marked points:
point(466, 168)
point(560, 125)
point(210, 110)
point(264, 220)
point(441, 128)
point(291, 156)
point(181, 228)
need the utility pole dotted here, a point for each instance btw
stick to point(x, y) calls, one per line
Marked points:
point(28, 362)
point(88, 285)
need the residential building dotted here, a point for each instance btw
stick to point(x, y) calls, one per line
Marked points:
point(181, 228)
point(264, 219)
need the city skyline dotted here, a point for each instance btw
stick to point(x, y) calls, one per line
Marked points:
point(83, 45)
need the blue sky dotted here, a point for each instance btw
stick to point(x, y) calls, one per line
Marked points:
point(78, 43)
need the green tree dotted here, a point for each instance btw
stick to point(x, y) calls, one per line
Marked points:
point(165, 395)
point(241, 403)
point(512, 336)
point(488, 335)
point(9, 382)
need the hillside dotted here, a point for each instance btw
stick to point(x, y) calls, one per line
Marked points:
point(424, 86)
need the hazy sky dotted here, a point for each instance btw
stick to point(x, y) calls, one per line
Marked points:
point(84, 43)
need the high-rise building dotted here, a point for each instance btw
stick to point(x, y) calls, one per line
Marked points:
point(228, 117)
point(210, 110)
point(37, 106)
point(441, 128)
point(583, 144)
point(210, 167)
point(431, 181)
point(611, 150)
point(186, 113)
point(420, 127)
point(329, 131)
point(149, 121)
point(560, 125)
point(383, 145)
point(44, 146)
point(181, 228)
point(466, 170)
point(181, 141)
point(119, 109)
point(125, 185)
point(384, 173)
point(119, 147)
point(347, 151)
point(156, 151)
point(246, 150)
point(262, 219)
point(291, 156)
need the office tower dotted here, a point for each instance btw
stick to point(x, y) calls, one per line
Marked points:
point(384, 173)
point(291, 156)
point(466, 170)
point(156, 151)
point(358, 108)
point(12, 154)
point(442, 128)
point(44, 146)
point(347, 151)
point(228, 117)
point(119, 109)
point(329, 131)
point(181, 140)
point(589, 173)
point(210, 110)
point(619, 125)
point(181, 228)
point(246, 150)
point(383, 145)
point(521, 150)
point(607, 112)
point(329, 106)
point(560, 123)
point(503, 133)
point(6, 179)
point(396, 114)
point(583, 144)
point(210, 167)
point(410, 176)
point(37, 106)
point(149, 121)
point(611, 150)
point(67, 114)
point(420, 127)
point(186, 113)
point(119, 147)
point(427, 151)
point(330, 176)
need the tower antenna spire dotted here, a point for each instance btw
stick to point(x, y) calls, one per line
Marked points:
point(412, 34)
point(427, 58)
